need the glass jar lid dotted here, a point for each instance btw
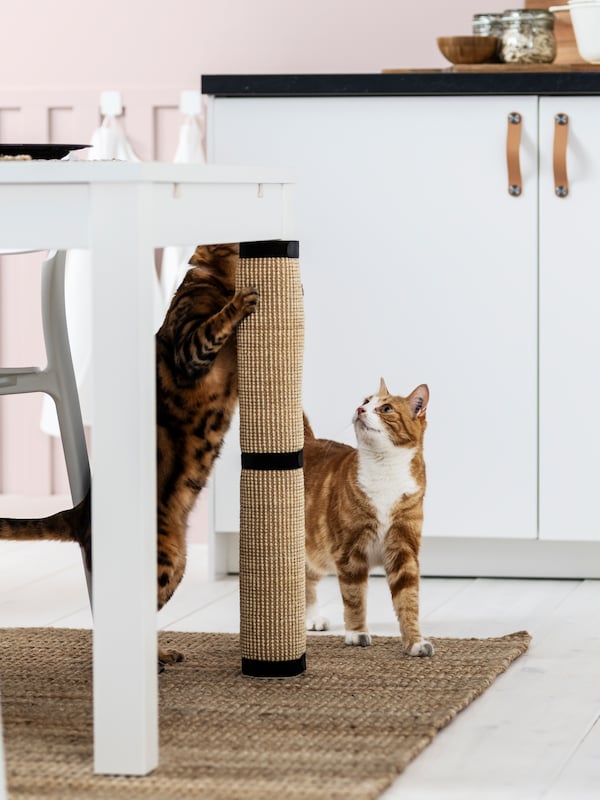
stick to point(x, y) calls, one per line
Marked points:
point(533, 16)
point(487, 17)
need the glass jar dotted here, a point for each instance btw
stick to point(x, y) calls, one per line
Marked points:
point(528, 37)
point(487, 25)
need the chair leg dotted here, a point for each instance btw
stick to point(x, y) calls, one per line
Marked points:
point(60, 368)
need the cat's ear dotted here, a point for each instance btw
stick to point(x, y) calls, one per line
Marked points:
point(418, 400)
point(383, 390)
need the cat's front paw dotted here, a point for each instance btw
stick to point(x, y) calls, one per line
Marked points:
point(248, 300)
point(421, 649)
point(315, 621)
point(357, 638)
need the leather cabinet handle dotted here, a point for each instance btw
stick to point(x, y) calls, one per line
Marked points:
point(559, 155)
point(513, 162)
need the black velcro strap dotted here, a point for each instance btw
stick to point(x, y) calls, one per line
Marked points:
point(272, 461)
point(275, 248)
point(255, 668)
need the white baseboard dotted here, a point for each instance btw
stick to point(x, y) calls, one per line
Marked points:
point(466, 557)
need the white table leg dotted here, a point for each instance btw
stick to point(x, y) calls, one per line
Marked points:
point(124, 483)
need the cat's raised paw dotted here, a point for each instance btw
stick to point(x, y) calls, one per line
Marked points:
point(421, 649)
point(357, 638)
point(248, 299)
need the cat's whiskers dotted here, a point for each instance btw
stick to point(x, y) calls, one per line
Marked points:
point(341, 433)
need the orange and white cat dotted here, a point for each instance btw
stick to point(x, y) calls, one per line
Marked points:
point(364, 507)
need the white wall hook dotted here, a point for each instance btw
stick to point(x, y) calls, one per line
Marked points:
point(190, 102)
point(111, 103)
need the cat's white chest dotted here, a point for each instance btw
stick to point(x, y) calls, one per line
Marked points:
point(385, 481)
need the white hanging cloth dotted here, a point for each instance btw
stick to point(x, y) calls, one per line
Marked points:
point(190, 150)
point(109, 142)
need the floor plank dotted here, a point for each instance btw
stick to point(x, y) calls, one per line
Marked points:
point(536, 715)
point(219, 614)
point(23, 564)
point(46, 599)
point(492, 607)
point(580, 777)
point(381, 620)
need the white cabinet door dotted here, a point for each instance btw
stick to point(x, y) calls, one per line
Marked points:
point(570, 326)
point(419, 267)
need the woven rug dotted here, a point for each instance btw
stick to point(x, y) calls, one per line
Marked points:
point(345, 729)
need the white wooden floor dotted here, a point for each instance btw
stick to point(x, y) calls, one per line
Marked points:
point(534, 734)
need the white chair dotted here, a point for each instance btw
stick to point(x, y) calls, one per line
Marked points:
point(56, 379)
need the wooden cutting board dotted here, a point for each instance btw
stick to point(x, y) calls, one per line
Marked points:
point(566, 47)
point(580, 66)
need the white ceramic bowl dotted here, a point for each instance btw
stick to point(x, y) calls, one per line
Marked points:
point(585, 17)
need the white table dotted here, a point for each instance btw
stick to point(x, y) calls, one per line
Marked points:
point(121, 211)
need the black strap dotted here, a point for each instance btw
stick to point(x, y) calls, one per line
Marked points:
point(273, 461)
point(256, 668)
point(276, 248)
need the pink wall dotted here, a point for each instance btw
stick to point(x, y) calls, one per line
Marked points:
point(143, 43)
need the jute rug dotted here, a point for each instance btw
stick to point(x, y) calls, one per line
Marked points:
point(345, 729)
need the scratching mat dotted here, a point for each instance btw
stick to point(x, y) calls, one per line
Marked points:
point(270, 344)
point(344, 729)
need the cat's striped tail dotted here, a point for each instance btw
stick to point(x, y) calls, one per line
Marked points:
point(308, 431)
point(71, 525)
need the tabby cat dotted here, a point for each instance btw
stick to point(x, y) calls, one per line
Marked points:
point(196, 394)
point(364, 507)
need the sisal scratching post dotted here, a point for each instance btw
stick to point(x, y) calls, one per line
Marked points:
point(270, 349)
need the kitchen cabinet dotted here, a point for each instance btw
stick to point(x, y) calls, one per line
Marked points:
point(570, 327)
point(420, 266)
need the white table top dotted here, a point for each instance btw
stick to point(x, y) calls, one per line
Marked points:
point(183, 204)
point(55, 171)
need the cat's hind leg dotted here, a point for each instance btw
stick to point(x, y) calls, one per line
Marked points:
point(315, 621)
point(171, 559)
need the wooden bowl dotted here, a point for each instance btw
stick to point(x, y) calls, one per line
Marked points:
point(469, 49)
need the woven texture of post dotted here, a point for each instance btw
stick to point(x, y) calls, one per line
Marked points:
point(270, 352)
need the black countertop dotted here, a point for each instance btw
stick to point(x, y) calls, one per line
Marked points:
point(417, 82)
